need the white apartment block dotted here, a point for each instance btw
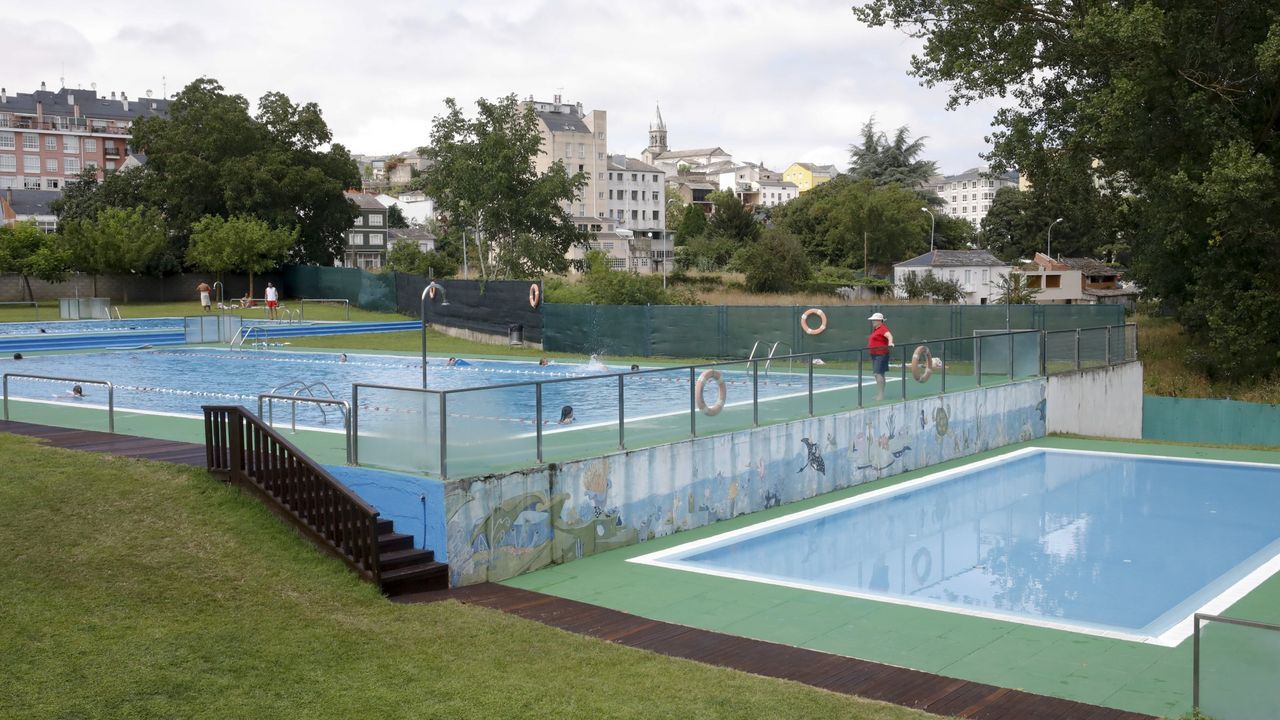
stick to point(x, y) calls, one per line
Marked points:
point(969, 195)
point(758, 186)
point(635, 197)
point(580, 141)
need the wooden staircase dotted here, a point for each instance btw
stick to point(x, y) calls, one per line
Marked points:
point(247, 452)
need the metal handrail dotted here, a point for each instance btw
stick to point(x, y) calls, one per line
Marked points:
point(116, 310)
point(1195, 644)
point(111, 393)
point(343, 406)
point(790, 366)
point(303, 303)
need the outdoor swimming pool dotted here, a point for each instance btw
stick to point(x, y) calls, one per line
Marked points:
point(1124, 546)
point(75, 327)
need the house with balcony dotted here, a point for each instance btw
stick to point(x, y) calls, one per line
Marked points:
point(978, 272)
point(366, 240)
point(18, 206)
point(1077, 281)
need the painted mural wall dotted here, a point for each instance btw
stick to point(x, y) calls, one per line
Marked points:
point(501, 526)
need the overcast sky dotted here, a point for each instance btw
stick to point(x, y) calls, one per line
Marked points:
point(774, 82)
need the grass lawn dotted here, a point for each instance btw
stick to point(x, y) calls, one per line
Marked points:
point(1162, 348)
point(145, 590)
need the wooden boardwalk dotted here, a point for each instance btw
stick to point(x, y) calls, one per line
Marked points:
point(123, 445)
point(901, 686)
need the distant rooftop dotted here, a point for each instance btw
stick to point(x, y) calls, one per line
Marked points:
point(63, 102)
point(954, 258)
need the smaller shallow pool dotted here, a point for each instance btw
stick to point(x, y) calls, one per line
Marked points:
point(80, 327)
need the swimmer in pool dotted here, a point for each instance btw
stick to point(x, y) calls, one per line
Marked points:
point(76, 391)
point(566, 415)
point(342, 357)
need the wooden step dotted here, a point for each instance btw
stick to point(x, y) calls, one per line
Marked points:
point(415, 578)
point(392, 541)
point(385, 526)
point(401, 558)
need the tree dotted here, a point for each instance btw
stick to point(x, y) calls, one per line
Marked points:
point(395, 217)
point(1171, 107)
point(917, 287)
point(242, 243)
point(116, 240)
point(27, 251)
point(833, 219)
point(775, 263)
point(483, 178)
point(693, 224)
point(212, 157)
point(405, 256)
point(674, 207)
point(1014, 289)
point(731, 219)
point(883, 162)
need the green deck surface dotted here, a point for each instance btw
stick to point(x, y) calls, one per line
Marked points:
point(1115, 673)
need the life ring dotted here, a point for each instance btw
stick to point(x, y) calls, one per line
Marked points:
point(431, 291)
point(922, 364)
point(922, 565)
point(535, 295)
point(804, 321)
point(721, 392)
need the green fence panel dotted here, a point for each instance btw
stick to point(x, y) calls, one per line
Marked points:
point(1203, 420)
point(377, 291)
point(682, 331)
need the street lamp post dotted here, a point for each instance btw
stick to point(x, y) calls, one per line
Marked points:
point(932, 224)
point(426, 291)
point(1049, 249)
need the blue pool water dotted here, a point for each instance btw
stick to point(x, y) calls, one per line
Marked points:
point(181, 380)
point(1117, 544)
point(75, 327)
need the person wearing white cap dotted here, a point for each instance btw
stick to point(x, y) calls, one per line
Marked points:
point(879, 343)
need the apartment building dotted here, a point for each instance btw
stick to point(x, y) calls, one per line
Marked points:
point(636, 194)
point(969, 195)
point(48, 138)
point(757, 186)
point(807, 176)
point(366, 245)
point(579, 140)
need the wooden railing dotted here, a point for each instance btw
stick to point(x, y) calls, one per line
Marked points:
point(248, 453)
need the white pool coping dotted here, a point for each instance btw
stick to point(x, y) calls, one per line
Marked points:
point(1173, 636)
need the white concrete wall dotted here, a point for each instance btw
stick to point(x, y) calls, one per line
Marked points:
point(1103, 402)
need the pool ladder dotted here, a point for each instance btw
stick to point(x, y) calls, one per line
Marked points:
point(772, 351)
point(244, 334)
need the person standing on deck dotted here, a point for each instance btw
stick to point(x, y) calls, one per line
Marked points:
point(273, 301)
point(205, 299)
point(879, 342)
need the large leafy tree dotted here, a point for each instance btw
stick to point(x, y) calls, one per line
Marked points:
point(1174, 106)
point(731, 219)
point(116, 240)
point(484, 180)
point(775, 263)
point(883, 161)
point(242, 243)
point(848, 223)
point(693, 224)
point(29, 252)
point(211, 157)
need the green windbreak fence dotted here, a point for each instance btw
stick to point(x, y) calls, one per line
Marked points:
point(1201, 420)
point(733, 331)
point(371, 291)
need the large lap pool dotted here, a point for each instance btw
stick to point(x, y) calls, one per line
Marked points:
point(1125, 546)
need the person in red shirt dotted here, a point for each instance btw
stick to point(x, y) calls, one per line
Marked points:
point(879, 342)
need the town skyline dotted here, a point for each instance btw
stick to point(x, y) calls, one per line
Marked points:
point(733, 77)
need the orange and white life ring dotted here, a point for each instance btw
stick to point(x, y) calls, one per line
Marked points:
point(535, 295)
point(822, 321)
point(721, 392)
point(922, 364)
point(431, 291)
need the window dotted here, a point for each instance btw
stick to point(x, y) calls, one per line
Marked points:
point(357, 238)
point(634, 215)
point(953, 198)
point(71, 166)
point(8, 141)
point(8, 162)
point(7, 181)
point(582, 151)
point(52, 183)
point(655, 194)
point(599, 156)
point(610, 194)
point(1033, 281)
point(375, 238)
point(986, 275)
point(359, 220)
point(579, 168)
point(582, 211)
point(655, 178)
point(634, 193)
point(568, 150)
point(91, 163)
point(70, 144)
point(601, 176)
point(31, 183)
point(633, 177)
point(657, 217)
point(90, 145)
point(111, 165)
point(375, 220)
point(600, 195)
point(31, 164)
point(50, 142)
point(30, 141)
point(610, 176)
point(1053, 281)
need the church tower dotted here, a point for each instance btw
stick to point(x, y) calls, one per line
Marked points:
point(657, 138)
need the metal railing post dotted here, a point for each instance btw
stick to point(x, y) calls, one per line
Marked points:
point(944, 368)
point(355, 424)
point(537, 417)
point(1010, 357)
point(1107, 346)
point(859, 378)
point(810, 364)
point(111, 408)
point(1044, 353)
point(622, 415)
point(1077, 349)
point(444, 439)
point(977, 359)
point(693, 403)
point(904, 373)
point(6, 396)
point(755, 393)
point(1195, 663)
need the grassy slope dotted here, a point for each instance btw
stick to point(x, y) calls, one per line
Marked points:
point(141, 590)
point(1162, 347)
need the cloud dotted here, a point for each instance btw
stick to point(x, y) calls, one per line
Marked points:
point(778, 82)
